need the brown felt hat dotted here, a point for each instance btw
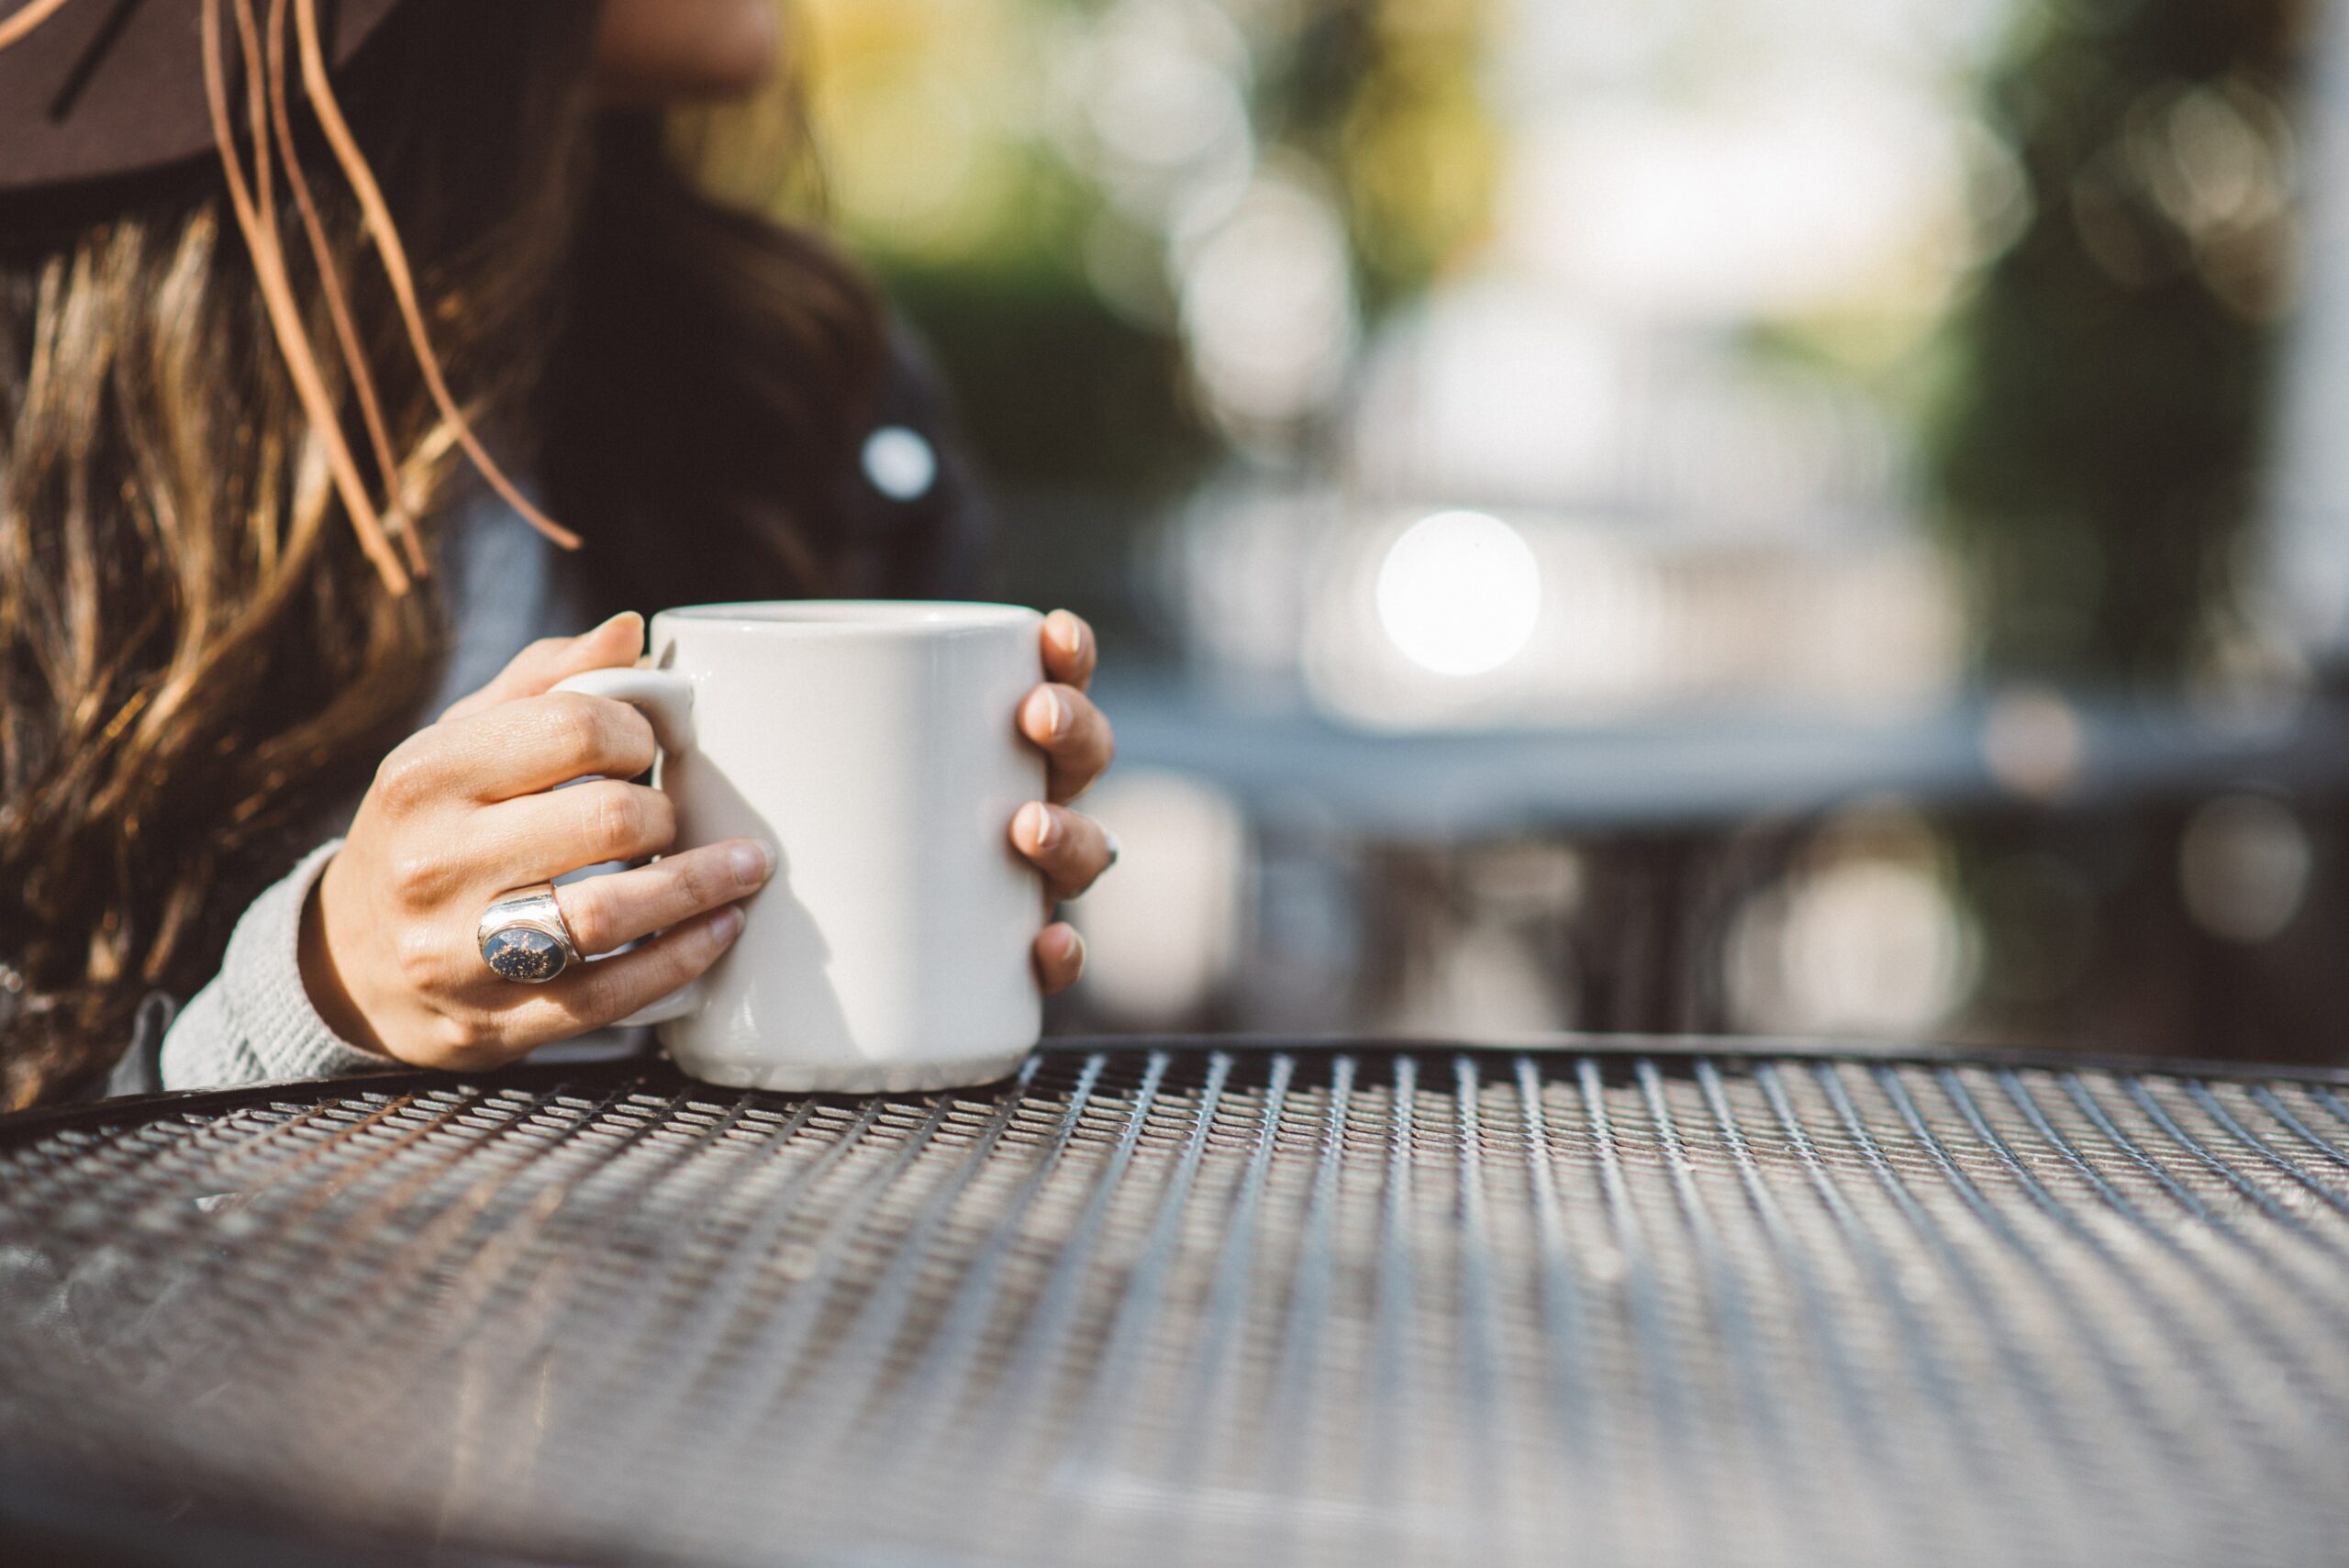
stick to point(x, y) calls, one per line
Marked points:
point(94, 90)
point(108, 87)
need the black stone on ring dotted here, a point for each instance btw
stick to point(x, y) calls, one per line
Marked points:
point(524, 938)
point(519, 952)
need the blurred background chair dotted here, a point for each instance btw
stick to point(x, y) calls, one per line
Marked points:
point(1820, 516)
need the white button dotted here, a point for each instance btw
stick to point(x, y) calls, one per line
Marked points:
point(900, 464)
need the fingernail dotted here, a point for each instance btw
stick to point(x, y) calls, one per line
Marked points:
point(1037, 822)
point(750, 861)
point(726, 925)
point(624, 614)
point(1066, 631)
point(1073, 950)
point(1055, 714)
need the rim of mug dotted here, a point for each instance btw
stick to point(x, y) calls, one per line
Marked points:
point(857, 614)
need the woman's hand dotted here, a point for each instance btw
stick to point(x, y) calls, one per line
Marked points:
point(467, 810)
point(1072, 849)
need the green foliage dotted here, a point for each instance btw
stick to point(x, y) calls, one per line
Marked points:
point(2108, 383)
point(1095, 401)
point(1388, 97)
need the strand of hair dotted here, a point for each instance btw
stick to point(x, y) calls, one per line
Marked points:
point(277, 294)
point(33, 14)
point(398, 520)
point(394, 255)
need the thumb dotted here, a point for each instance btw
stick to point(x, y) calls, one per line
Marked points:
point(615, 643)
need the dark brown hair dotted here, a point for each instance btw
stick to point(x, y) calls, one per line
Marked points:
point(196, 658)
point(712, 379)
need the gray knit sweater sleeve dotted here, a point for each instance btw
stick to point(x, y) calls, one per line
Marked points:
point(254, 1023)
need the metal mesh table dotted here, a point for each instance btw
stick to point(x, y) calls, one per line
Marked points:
point(1442, 1305)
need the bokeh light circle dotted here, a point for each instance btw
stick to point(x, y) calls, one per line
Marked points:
point(1458, 594)
point(899, 463)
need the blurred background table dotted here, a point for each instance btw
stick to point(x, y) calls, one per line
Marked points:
point(2012, 866)
point(1640, 1301)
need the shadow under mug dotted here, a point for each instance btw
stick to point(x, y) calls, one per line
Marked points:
point(873, 747)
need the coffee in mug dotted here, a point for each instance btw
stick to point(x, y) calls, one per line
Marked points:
point(873, 747)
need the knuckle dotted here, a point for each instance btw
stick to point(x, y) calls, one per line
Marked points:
point(700, 885)
point(617, 821)
point(578, 728)
point(455, 1034)
point(417, 956)
point(420, 873)
point(483, 1056)
point(489, 1042)
point(403, 781)
point(605, 735)
point(459, 1041)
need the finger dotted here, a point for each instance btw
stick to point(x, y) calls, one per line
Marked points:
point(1070, 650)
point(1060, 957)
point(1071, 849)
point(534, 743)
point(590, 995)
point(618, 642)
point(1076, 739)
point(605, 912)
point(537, 838)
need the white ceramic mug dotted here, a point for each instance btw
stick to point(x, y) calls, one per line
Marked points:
point(873, 746)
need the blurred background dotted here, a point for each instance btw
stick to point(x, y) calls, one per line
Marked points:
point(1812, 516)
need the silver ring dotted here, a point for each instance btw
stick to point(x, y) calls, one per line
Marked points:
point(523, 938)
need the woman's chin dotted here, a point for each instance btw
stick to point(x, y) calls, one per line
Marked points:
point(655, 53)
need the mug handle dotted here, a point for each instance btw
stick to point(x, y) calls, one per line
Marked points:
point(666, 699)
point(663, 696)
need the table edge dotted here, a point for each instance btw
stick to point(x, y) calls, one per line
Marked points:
point(22, 1125)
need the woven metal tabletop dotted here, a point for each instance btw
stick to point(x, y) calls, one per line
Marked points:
point(1183, 1304)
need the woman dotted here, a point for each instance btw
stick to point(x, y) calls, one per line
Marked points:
point(243, 551)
